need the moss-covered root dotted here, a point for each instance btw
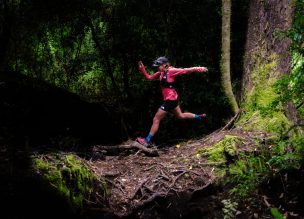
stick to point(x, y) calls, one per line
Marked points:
point(68, 175)
point(222, 149)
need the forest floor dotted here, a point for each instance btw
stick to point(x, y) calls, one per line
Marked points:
point(178, 183)
point(168, 184)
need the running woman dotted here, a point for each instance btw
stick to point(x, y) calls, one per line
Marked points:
point(166, 75)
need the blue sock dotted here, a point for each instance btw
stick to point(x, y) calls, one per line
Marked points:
point(148, 138)
point(197, 117)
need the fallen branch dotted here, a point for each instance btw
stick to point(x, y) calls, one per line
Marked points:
point(153, 197)
point(129, 145)
point(231, 122)
point(115, 185)
point(177, 177)
point(138, 188)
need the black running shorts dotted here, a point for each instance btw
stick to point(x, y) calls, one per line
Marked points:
point(169, 105)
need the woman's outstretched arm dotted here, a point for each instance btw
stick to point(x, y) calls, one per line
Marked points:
point(179, 71)
point(143, 70)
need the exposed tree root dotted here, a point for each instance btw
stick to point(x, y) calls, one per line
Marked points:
point(126, 146)
point(232, 121)
point(176, 173)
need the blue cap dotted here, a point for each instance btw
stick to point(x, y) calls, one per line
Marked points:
point(160, 61)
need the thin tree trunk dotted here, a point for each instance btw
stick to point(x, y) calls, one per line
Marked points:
point(225, 60)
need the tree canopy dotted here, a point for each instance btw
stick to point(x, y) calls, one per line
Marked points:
point(91, 48)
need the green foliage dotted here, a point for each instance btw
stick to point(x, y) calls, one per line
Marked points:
point(276, 214)
point(261, 111)
point(217, 152)
point(229, 208)
point(68, 176)
point(287, 154)
point(291, 87)
point(298, 144)
point(264, 110)
point(248, 172)
point(296, 32)
point(91, 48)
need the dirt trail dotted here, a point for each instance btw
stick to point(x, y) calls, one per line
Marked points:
point(136, 180)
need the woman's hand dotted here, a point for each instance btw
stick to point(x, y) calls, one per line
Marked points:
point(140, 65)
point(201, 69)
point(204, 69)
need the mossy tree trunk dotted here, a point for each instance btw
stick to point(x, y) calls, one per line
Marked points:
point(225, 60)
point(266, 23)
point(267, 49)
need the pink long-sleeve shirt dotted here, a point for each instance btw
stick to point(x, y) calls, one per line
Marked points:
point(169, 93)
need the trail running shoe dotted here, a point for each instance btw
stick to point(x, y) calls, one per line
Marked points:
point(142, 141)
point(202, 116)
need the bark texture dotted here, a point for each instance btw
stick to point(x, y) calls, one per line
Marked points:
point(225, 60)
point(267, 21)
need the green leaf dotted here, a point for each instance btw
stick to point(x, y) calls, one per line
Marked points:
point(277, 215)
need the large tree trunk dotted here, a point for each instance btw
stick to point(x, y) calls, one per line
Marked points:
point(267, 50)
point(266, 20)
point(225, 61)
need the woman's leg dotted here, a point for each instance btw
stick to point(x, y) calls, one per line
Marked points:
point(180, 115)
point(160, 114)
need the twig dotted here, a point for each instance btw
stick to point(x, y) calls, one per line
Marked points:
point(164, 175)
point(138, 188)
point(110, 174)
point(301, 104)
point(149, 189)
point(153, 197)
point(266, 202)
point(176, 178)
point(231, 122)
point(114, 184)
point(201, 188)
point(210, 164)
point(149, 168)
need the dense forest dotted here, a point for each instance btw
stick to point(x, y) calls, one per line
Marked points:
point(72, 102)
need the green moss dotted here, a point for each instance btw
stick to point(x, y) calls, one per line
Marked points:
point(259, 109)
point(217, 153)
point(68, 175)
